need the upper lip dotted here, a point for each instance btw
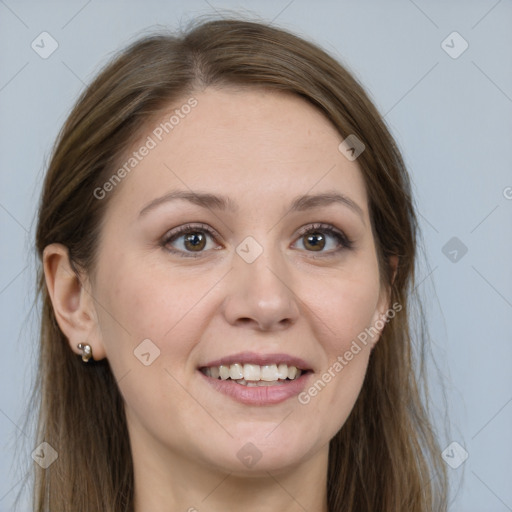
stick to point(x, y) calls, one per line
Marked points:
point(259, 359)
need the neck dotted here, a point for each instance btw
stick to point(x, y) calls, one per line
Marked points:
point(168, 481)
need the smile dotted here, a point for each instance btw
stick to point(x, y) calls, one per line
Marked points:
point(253, 375)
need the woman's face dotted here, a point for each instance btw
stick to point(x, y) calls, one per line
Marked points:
point(272, 270)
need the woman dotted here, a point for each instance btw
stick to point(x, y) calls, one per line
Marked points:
point(228, 242)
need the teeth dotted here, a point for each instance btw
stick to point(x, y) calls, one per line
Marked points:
point(259, 383)
point(282, 371)
point(253, 374)
point(224, 372)
point(251, 371)
point(236, 372)
point(268, 373)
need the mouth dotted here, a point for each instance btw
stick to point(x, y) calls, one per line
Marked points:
point(257, 379)
point(255, 375)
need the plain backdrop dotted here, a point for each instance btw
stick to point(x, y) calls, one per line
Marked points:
point(441, 74)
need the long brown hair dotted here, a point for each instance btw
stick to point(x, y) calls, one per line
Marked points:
point(385, 457)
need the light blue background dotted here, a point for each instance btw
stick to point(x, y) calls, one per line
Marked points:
point(452, 119)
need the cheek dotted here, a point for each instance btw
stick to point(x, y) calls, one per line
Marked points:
point(142, 301)
point(346, 307)
point(345, 312)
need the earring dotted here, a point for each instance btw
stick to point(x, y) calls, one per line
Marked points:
point(86, 351)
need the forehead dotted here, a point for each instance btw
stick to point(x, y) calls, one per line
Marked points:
point(247, 143)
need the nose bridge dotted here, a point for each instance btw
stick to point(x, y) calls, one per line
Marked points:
point(261, 292)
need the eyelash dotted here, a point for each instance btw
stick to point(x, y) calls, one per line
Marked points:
point(340, 237)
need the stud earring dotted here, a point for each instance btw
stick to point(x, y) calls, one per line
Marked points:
point(86, 351)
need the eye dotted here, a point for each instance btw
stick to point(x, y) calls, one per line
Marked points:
point(316, 237)
point(191, 240)
point(188, 239)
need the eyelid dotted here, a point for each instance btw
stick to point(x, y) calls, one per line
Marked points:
point(187, 228)
point(345, 242)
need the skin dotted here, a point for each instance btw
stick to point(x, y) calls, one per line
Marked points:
point(261, 149)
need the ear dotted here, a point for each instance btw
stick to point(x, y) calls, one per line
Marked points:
point(384, 307)
point(72, 301)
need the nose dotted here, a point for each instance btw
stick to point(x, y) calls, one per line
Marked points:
point(260, 294)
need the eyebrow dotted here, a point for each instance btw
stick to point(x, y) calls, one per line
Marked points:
point(224, 203)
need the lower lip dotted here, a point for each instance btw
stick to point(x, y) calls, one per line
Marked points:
point(258, 395)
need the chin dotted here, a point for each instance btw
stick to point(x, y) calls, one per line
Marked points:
point(262, 452)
